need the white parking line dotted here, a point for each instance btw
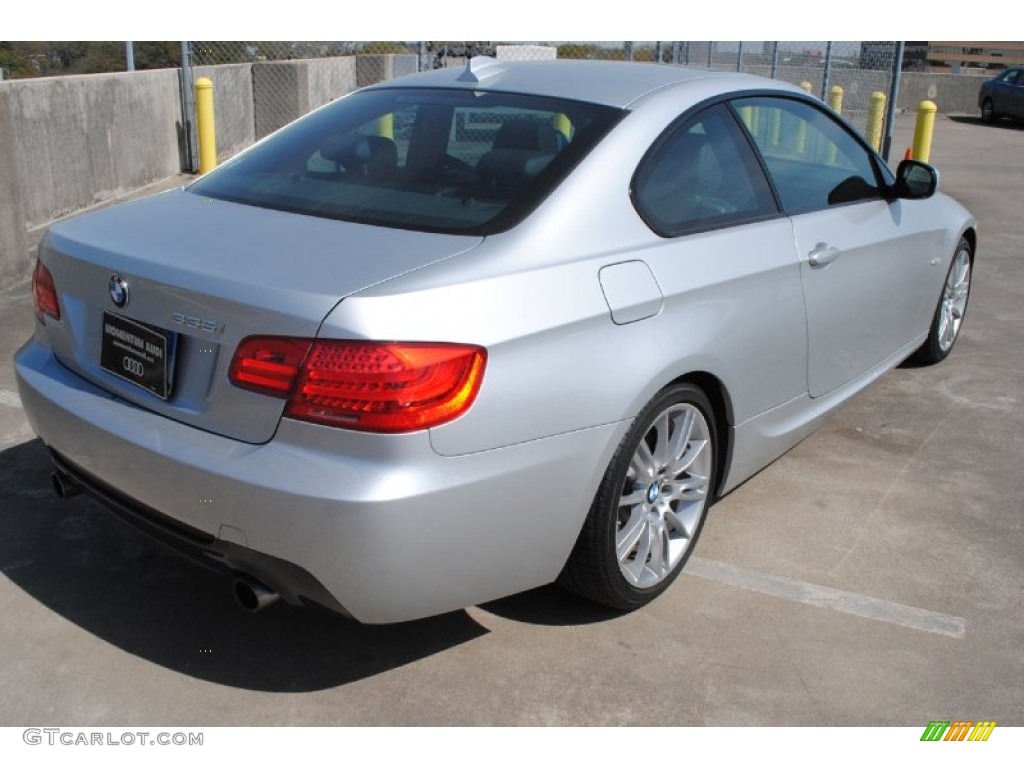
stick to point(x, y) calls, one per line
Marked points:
point(826, 597)
point(10, 398)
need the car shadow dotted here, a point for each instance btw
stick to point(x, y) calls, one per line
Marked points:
point(973, 120)
point(84, 564)
point(550, 606)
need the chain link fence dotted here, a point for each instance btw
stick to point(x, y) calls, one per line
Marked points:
point(289, 79)
point(857, 69)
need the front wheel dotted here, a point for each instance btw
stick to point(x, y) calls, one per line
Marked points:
point(949, 314)
point(651, 504)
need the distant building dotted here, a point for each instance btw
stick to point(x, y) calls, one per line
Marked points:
point(966, 56)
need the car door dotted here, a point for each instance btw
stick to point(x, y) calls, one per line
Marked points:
point(726, 265)
point(1002, 92)
point(861, 265)
point(1015, 95)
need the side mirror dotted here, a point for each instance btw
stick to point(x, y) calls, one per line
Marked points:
point(915, 180)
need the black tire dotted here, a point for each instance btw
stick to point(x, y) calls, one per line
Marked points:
point(951, 308)
point(988, 114)
point(667, 505)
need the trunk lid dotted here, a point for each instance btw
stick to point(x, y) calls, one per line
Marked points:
point(204, 274)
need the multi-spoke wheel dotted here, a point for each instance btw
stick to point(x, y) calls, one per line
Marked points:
point(949, 315)
point(650, 506)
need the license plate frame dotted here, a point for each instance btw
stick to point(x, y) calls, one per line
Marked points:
point(141, 354)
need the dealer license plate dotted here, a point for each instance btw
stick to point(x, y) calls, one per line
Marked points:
point(137, 353)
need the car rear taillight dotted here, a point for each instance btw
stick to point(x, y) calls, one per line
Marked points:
point(370, 386)
point(44, 293)
point(268, 364)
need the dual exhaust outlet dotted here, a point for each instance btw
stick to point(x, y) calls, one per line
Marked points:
point(250, 593)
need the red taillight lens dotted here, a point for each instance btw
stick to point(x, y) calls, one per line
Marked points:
point(268, 364)
point(369, 386)
point(44, 293)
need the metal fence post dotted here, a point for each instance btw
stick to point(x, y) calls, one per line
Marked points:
point(894, 92)
point(711, 47)
point(627, 50)
point(188, 109)
point(657, 52)
point(423, 62)
point(828, 66)
point(739, 58)
point(775, 58)
point(129, 56)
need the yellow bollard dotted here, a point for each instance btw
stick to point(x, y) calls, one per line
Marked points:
point(876, 117)
point(776, 129)
point(923, 130)
point(562, 124)
point(386, 126)
point(835, 99)
point(806, 86)
point(800, 141)
point(205, 128)
point(747, 116)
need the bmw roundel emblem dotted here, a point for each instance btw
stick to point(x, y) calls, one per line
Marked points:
point(118, 290)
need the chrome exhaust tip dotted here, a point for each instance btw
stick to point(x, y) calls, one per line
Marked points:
point(254, 595)
point(63, 485)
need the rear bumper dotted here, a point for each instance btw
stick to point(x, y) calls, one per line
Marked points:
point(294, 584)
point(388, 528)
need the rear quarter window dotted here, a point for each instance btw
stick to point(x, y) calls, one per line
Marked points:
point(702, 175)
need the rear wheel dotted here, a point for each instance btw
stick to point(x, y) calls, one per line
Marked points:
point(987, 111)
point(651, 504)
point(949, 314)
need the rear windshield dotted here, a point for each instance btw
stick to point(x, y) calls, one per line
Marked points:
point(454, 161)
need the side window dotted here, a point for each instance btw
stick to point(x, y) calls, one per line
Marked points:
point(813, 161)
point(703, 175)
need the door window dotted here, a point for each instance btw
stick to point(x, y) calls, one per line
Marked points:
point(813, 160)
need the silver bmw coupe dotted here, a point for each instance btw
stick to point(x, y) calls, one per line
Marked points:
point(472, 331)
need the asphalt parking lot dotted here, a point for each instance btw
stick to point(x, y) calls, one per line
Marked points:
point(872, 576)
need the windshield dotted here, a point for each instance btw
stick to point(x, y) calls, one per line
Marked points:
point(457, 161)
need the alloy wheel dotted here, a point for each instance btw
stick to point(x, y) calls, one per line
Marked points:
point(664, 496)
point(954, 299)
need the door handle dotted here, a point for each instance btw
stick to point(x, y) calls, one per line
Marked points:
point(822, 255)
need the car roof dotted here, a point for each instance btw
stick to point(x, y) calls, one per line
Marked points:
point(612, 83)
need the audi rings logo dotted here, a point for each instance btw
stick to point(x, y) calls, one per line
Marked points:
point(133, 366)
point(118, 288)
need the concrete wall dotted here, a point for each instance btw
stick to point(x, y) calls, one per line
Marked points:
point(286, 90)
point(375, 68)
point(954, 94)
point(14, 258)
point(68, 143)
point(85, 139)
